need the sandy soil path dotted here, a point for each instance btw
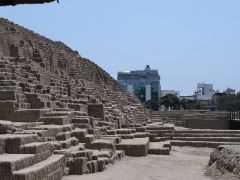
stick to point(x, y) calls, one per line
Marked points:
point(183, 164)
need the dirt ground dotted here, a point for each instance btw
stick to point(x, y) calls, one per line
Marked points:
point(183, 164)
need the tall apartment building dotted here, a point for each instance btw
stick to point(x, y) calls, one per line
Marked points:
point(144, 84)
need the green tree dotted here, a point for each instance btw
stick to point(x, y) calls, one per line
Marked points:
point(152, 104)
point(189, 104)
point(238, 94)
point(171, 101)
point(228, 102)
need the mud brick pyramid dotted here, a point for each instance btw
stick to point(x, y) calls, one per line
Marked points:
point(38, 76)
point(61, 114)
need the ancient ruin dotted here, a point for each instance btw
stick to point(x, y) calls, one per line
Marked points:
point(61, 114)
point(224, 160)
point(206, 129)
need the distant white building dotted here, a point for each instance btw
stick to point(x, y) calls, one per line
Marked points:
point(204, 91)
point(173, 92)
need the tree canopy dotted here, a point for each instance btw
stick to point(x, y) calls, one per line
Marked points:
point(171, 101)
point(152, 104)
point(228, 102)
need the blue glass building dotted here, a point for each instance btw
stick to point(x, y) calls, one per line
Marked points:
point(145, 84)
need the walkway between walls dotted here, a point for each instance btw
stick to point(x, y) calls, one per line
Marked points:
point(184, 163)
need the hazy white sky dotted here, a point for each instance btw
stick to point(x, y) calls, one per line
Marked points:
point(188, 41)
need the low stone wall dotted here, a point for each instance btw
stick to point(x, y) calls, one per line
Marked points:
point(207, 124)
point(224, 160)
point(193, 119)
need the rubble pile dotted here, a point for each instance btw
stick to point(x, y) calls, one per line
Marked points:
point(224, 160)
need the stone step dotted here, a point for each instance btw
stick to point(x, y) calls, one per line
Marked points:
point(59, 113)
point(80, 113)
point(134, 125)
point(119, 154)
point(53, 130)
point(158, 148)
point(52, 165)
point(159, 139)
point(80, 134)
point(95, 131)
point(38, 101)
point(10, 143)
point(141, 129)
point(8, 83)
point(116, 139)
point(57, 174)
point(125, 131)
point(63, 136)
point(134, 147)
point(100, 144)
point(126, 136)
point(207, 131)
point(81, 120)
point(212, 139)
point(28, 115)
point(63, 109)
point(160, 132)
point(159, 128)
point(57, 120)
point(14, 162)
point(27, 125)
point(40, 133)
point(89, 139)
point(105, 153)
point(105, 123)
point(83, 126)
point(112, 132)
point(141, 135)
point(203, 135)
point(67, 143)
point(79, 107)
point(35, 148)
point(72, 151)
point(208, 144)
point(23, 105)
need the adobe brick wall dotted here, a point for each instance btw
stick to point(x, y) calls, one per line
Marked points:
point(96, 110)
point(207, 124)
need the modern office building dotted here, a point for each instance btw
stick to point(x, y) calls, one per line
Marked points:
point(145, 84)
